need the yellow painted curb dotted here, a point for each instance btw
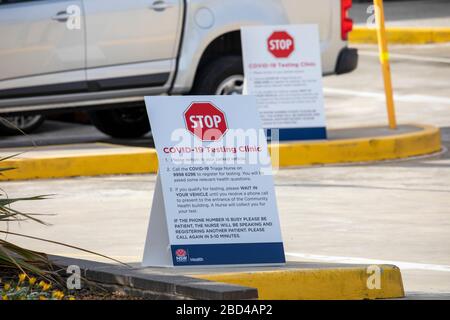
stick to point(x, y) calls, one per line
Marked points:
point(425, 141)
point(129, 161)
point(401, 35)
point(133, 160)
point(353, 283)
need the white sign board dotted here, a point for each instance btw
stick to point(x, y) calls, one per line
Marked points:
point(282, 66)
point(214, 202)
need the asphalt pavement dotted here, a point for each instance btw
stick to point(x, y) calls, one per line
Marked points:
point(420, 77)
point(390, 212)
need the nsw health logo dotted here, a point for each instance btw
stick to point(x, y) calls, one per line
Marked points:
point(181, 256)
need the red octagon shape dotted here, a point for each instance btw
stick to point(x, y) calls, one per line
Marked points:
point(206, 121)
point(281, 44)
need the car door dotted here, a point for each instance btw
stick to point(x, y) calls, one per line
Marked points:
point(42, 47)
point(131, 43)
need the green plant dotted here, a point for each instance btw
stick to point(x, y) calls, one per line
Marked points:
point(27, 263)
point(11, 255)
point(29, 288)
point(17, 259)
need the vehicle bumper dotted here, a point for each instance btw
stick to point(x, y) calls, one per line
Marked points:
point(347, 61)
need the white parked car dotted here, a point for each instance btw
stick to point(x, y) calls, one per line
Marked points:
point(106, 55)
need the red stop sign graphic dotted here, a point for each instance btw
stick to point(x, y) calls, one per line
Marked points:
point(281, 44)
point(206, 121)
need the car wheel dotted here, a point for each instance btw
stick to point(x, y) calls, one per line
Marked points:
point(129, 122)
point(14, 125)
point(224, 76)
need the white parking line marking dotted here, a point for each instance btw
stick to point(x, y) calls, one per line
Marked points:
point(406, 57)
point(350, 260)
point(414, 98)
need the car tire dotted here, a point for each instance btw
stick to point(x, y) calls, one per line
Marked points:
point(16, 125)
point(223, 76)
point(125, 123)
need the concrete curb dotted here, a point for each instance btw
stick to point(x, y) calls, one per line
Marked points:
point(340, 283)
point(376, 148)
point(93, 159)
point(401, 35)
point(104, 159)
point(301, 281)
point(134, 282)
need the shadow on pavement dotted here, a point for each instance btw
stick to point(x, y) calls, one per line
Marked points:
point(57, 133)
